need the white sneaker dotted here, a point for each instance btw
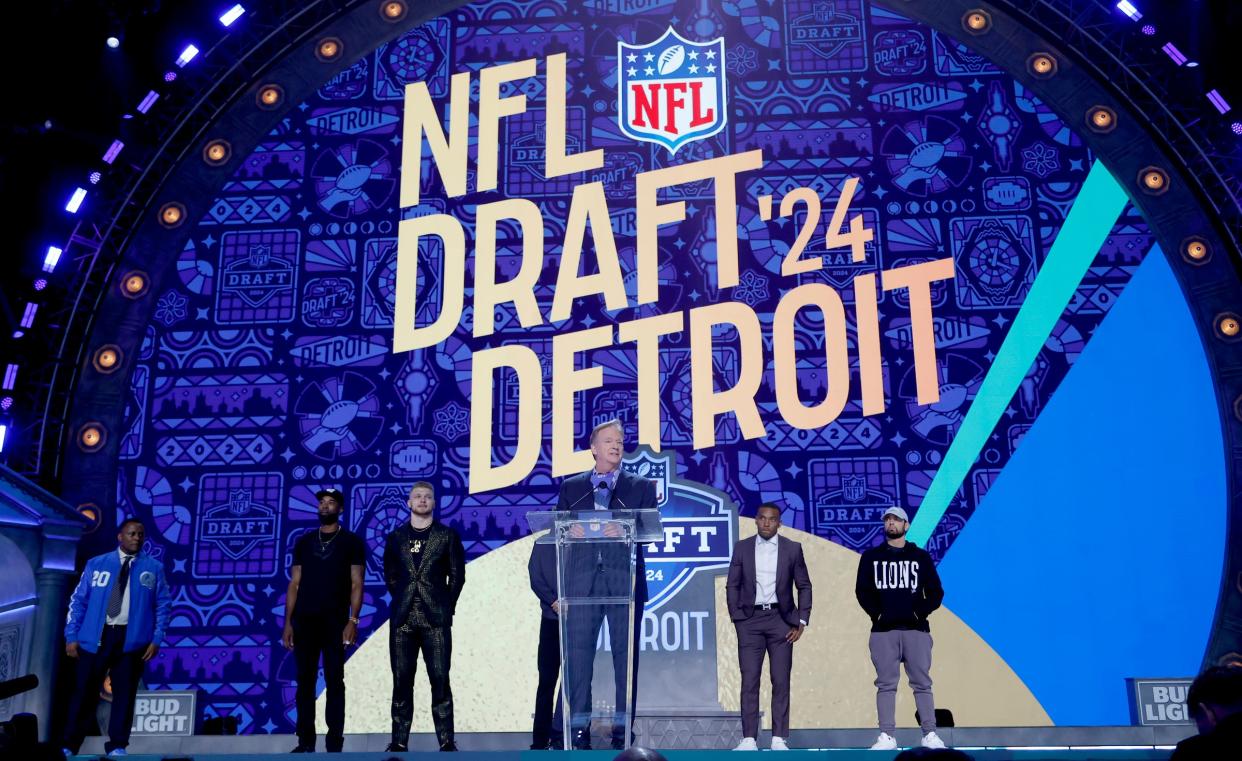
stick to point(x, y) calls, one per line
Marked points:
point(885, 742)
point(747, 743)
point(778, 743)
point(931, 740)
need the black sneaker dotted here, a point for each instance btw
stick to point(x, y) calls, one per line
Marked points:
point(300, 748)
point(396, 748)
point(448, 746)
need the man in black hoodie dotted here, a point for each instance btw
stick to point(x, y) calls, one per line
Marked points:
point(898, 587)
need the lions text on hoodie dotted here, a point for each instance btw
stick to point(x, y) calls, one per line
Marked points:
point(898, 587)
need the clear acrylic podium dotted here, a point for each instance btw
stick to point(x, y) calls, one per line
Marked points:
point(596, 553)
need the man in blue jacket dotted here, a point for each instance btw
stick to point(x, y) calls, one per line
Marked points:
point(117, 618)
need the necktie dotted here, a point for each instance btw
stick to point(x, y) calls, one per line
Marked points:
point(118, 591)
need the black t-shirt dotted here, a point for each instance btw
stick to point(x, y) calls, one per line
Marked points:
point(419, 544)
point(325, 561)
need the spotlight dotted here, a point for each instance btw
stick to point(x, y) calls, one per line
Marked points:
point(4, 431)
point(75, 200)
point(231, 15)
point(1154, 181)
point(1042, 65)
point(113, 43)
point(1214, 97)
point(134, 284)
point(269, 96)
point(91, 437)
point(172, 214)
point(145, 104)
point(216, 152)
point(90, 511)
point(1174, 54)
point(95, 177)
point(10, 377)
point(170, 76)
point(1101, 119)
point(1149, 30)
point(394, 10)
point(107, 359)
point(328, 49)
point(28, 315)
point(1127, 8)
point(113, 151)
point(6, 403)
point(977, 21)
point(51, 258)
point(1195, 250)
point(1237, 128)
point(1229, 325)
point(40, 284)
point(186, 56)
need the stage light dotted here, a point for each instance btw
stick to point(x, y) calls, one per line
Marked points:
point(107, 359)
point(172, 214)
point(186, 56)
point(1215, 99)
point(134, 284)
point(113, 151)
point(1195, 250)
point(269, 96)
point(1236, 127)
point(231, 15)
point(40, 284)
point(216, 152)
point(148, 101)
point(4, 433)
point(91, 437)
point(170, 76)
point(6, 403)
point(51, 258)
point(329, 48)
point(1154, 180)
point(1229, 325)
point(90, 511)
point(393, 11)
point(10, 377)
point(1125, 7)
point(1149, 30)
point(1042, 65)
point(977, 21)
point(1172, 52)
point(113, 43)
point(29, 314)
point(75, 200)
point(1101, 119)
point(95, 177)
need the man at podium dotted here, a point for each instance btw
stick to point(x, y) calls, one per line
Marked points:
point(602, 571)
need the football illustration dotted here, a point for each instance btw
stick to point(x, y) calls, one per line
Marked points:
point(671, 60)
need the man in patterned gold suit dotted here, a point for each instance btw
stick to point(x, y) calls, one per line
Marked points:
point(424, 569)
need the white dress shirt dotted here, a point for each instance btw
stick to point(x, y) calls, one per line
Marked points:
point(122, 618)
point(765, 570)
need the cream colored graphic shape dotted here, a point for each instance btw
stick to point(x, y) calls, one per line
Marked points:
point(496, 635)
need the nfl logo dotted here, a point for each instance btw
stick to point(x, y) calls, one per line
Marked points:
point(671, 91)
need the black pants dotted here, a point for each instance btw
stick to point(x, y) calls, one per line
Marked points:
point(125, 670)
point(548, 716)
point(764, 633)
point(436, 645)
point(583, 623)
point(312, 638)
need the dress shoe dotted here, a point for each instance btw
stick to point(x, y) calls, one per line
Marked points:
point(300, 748)
point(396, 748)
point(448, 746)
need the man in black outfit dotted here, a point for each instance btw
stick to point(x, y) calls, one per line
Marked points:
point(424, 569)
point(547, 732)
point(327, 564)
point(1215, 703)
point(599, 574)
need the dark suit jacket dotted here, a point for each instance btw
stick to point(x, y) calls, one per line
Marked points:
point(631, 493)
point(424, 594)
point(790, 572)
point(542, 570)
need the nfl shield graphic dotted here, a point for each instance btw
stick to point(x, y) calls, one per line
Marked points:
point(671, 91)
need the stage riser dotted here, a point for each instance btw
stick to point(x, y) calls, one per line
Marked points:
point(853, 754)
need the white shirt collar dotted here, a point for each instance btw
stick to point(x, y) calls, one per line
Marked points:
point(767, 541)
point(121, 554)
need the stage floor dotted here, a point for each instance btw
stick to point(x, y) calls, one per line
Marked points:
point(827, 754)
point(983, 743)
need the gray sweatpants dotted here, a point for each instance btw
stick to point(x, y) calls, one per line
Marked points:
point(888, 651)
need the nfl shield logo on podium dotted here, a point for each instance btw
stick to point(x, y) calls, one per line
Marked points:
point(671, 91)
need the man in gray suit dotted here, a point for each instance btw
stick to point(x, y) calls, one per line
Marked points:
point(762, 575)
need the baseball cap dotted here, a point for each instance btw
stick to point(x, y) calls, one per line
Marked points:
point(897, 511)
point(333, 493)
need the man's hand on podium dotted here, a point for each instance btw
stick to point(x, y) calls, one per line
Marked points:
point(556, 607)
point(577, 531)
point(612, 530)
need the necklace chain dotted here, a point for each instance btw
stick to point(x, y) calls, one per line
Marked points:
point(323, 546)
